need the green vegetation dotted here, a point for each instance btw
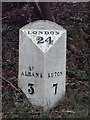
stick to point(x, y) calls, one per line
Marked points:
point(74, 17)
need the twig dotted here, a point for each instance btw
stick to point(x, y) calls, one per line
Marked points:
point(10, 84)
point(4, 17)
point(68, 111)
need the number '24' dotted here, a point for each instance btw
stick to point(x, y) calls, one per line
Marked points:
point(41, 40)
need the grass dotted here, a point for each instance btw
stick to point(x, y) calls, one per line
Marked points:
point(76, 101)
point(74, 105)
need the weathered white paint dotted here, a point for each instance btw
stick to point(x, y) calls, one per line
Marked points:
point(42, 66)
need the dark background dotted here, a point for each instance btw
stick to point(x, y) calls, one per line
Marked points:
point(74, 17)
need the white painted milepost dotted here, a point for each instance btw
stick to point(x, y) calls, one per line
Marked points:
point(42, 62)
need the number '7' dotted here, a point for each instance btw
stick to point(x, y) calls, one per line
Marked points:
point(55, 85)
